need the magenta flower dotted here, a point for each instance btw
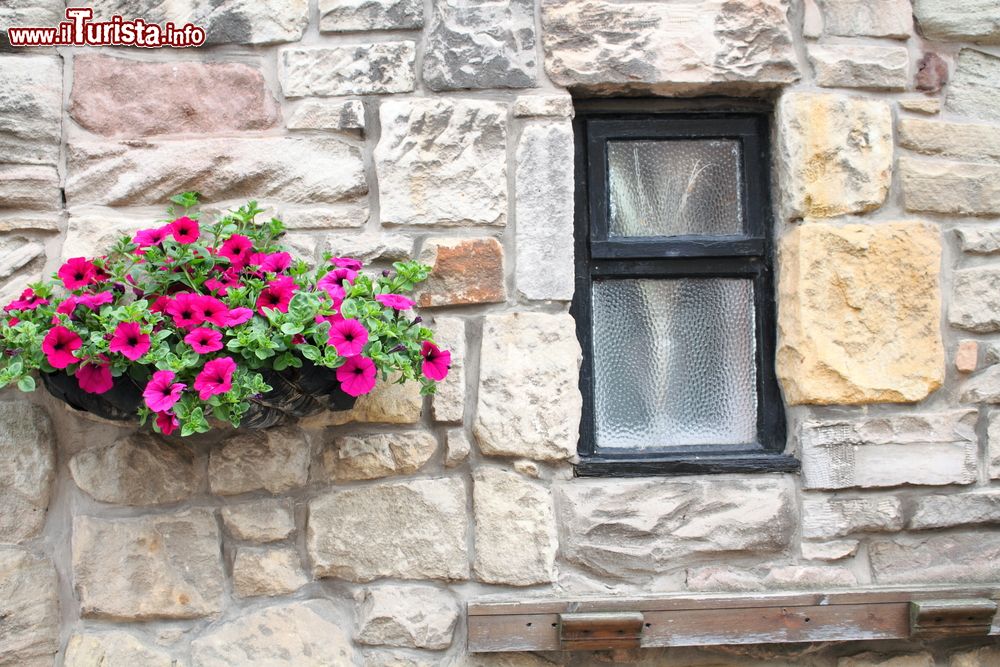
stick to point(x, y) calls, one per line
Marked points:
point(95, 301)
point(68, 306)
point(166, 422)
point(276, 262)
point(211, 310)
point(229, 280)
point(238, 316)
point(184, 230)
point(394, 301)
point(95, 378)
point(216, 377)
point(348, 336)
point(277, 295)
point(27, 301)
point(203, 340)
point(237, 249)
point(346, 263)
point(341, 274)
point(59, 344)
point(150, 237)
point(77, 272)
point(129, 341)
point(357, 375)
point(184, 310)
point(162, 392)
point(333, 290)
point(436, 361)
point(332, 319)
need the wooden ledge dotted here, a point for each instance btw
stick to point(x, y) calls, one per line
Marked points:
point(758, 618)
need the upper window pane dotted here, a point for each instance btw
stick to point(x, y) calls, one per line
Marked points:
point(674, 187)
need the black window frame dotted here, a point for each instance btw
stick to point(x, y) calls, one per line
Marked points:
point(746, 255)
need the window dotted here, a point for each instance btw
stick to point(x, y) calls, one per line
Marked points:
point(674, 302)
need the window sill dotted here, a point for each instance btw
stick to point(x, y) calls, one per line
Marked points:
point(686, 464)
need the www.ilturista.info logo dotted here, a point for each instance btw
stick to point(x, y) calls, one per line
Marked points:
point(79, 30)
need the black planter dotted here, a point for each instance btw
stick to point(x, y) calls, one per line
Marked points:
point(296, 392)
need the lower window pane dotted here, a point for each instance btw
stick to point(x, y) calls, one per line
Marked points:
point(674, 362)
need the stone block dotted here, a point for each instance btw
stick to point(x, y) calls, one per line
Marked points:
point(853, 66)
point(30, 108)
point(267, 571)
point(965, 141)
point(967, 21)
point(374, 455)
point(365, 15)
point(449, 399)
point(93, 649)
point(327, 115)
point(836, 517)
point(27, 470)
point(275, 460)
point(362, 69)
point(953, 558)
point(463, 271)
point(868, 18)
point(264, 520)
point(29, 607)
point(408, 616)
point(959, 509)
point(958, 188)
point(975, 87)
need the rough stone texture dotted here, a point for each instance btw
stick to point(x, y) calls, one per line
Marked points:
point(295, 170)
point(993, 438)
point(267, 571)
point(324, 115)
point(27, 469)
point(868, 18)
point(442, 161)
point(30, 108)
point(408, 530)
point(968, 141)
point(369, 247)
point(458, 448)
point(675, 48)
point(29, 607)
point(979, 240)
point(961, 188)
point(634, 528)
point(263, 520)
point(559, 105)
point(463, 271)
point(515, 529)
point(449, 399)
point(944, 511)
point(932, 449)
point(237, 21)
point(111, 649)
point(357, 15)
point(975, 88)
point(983, 657)
point(974, 304)
point(789, 577)
point(832, 550)
point(834, 154)
point(836, 517)
point(544, 211)
point(28, 13)
point(304, 634)
point(922, 104)
point(853, 66)
point(162, 566)
point(932, 73)
point(411, 616)
point(937, 559)
point(275, 460)
point(29, 187)
point(859, 313)
point(374, 455)
point(352, 213)
point(480, 45)
point(139, 469)
point(876, 660)
point(529, 396)
point(385, 67)
point(966, 21)
point(111, 97)
point(983, 387)
point(966, 356)
point(388, 403)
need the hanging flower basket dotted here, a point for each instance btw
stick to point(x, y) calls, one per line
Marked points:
point(188, 326)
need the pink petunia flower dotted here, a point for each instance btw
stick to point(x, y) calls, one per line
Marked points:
point(211, 310)
point(59, 344)
point(222, 285)
point(185, 230)
point(160, 304)
point(348, 336)
point(357, 375)
point(77, 272)
point(216, 377)
point(237, 248)
point(184, 310)
point(332, 319)
point(203, 340)
point(333, 290)
point(237, 316)
point(436, 362)
point(27, 301)
point(394, 301)
point(276, 262)
point(167, 422)
point(95, 378)
point(277, 295)
point(145, 238)
point(162, 392)
point(129, 341)
point(346, 263)
point(95, 301)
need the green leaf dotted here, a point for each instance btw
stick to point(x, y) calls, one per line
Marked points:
point(291, 328)
point(26, 383)
point(303, 307)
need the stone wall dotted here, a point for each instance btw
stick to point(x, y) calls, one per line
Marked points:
point(441, 129)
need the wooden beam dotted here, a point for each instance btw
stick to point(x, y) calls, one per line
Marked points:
point(704, 620)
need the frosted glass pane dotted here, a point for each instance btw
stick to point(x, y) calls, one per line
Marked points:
point(675, 187)
point(674, 362)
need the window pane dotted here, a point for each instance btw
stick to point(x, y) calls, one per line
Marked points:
point(674, 362)
point(674, 187)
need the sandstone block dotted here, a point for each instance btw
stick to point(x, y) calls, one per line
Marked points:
point(868, 18)
point(529, 396)
point(29, 186)
point(30, 107)
point(113, 648)
point(936, 559)
point(409, 616)
point(834, 154)
point(559, 105)
point(852, 66)
point(859, 313)
point(458, 449)
point(408, 530)
point(973, 305)
point(28, 13)
point(836, 517)
point(945, 511)
point(927, 449)
point(442, 162)
point(961, 188)
point(364, 15)
point(276, 460)
point(880, 660)
point(832, 550)
point(966, 141)
point(264, 520)
point(374, 455)
point(515, 529)
point(29, 607)
point(920, 104)
point(975, 87)
point(981, 657)
point(363, 69)
point(967, 356)
point(27, 470)
point(387, 403)
point(969, 21)
point(983, 387)
point(463, 271)
point(370, 247)
point(324, 115)
point(715, 578)
point(449, 399)
point(993, 437)
point(267, 571)
point(979, 240)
